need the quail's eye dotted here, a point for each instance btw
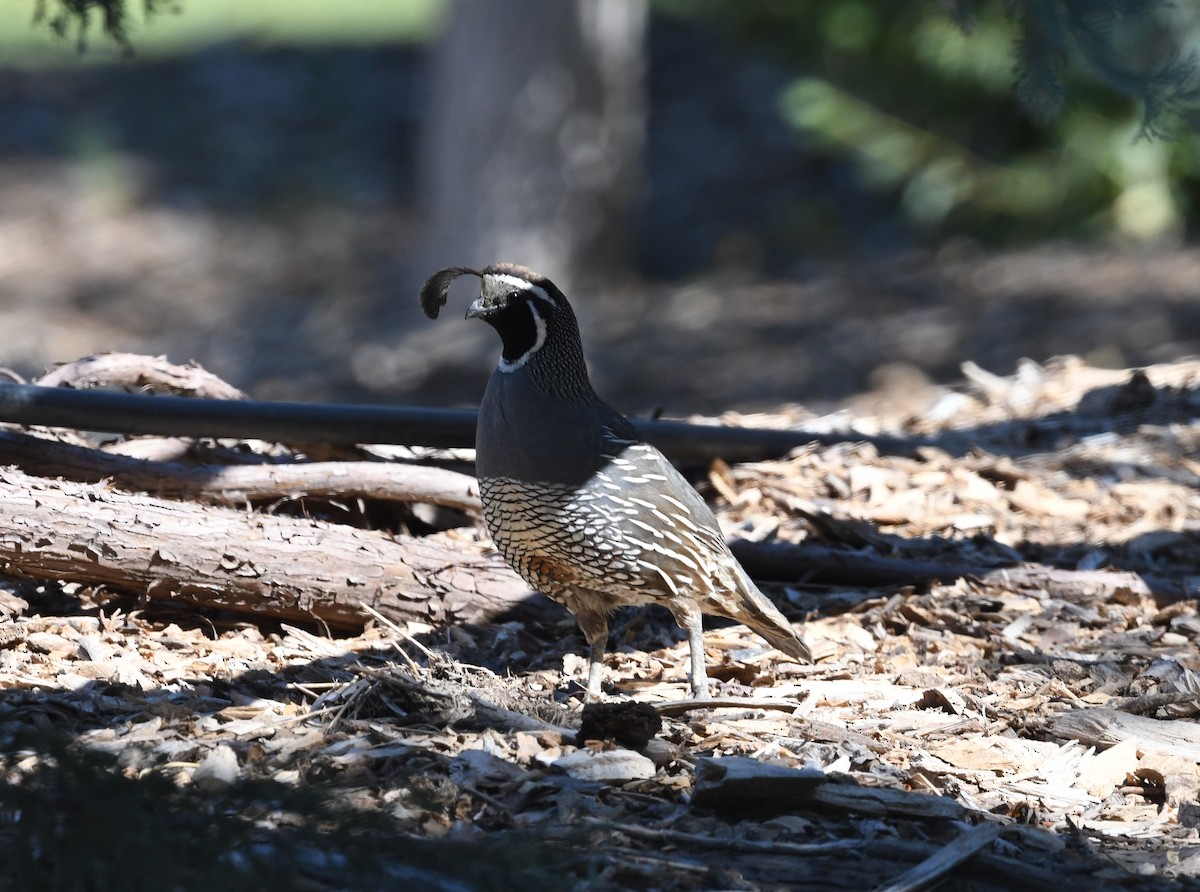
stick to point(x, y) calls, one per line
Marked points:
point(512, 295)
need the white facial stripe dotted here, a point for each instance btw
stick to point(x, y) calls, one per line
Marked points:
point(523, 285)
point(540, 324)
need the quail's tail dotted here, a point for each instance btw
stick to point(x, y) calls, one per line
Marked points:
point(758, 612)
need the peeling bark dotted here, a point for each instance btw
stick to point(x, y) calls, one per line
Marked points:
point(248, 562)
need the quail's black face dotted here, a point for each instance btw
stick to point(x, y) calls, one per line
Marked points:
point(526, 309)
point(519, 308)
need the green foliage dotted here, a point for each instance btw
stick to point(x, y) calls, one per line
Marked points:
point(109, 29)
point(1133, 46)
point(65, 17)
point(1009, 120)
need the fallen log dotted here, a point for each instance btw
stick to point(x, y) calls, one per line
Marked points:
point(813, 562)
point(235, 484)
point(308, 570)
point(247, 562)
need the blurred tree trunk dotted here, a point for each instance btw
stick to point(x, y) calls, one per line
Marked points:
point(533, 144)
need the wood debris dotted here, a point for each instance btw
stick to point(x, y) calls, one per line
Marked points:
point(1005, 692)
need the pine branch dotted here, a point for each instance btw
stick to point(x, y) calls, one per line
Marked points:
point(1128, 45)
point(64, 17)
point(1041, 60)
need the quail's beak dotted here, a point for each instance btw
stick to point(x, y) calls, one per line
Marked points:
point(479, 309)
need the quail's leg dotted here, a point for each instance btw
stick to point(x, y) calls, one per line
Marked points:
point(595, 629)
point(691, 621)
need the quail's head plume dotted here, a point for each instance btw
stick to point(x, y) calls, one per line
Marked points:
point(582, 508)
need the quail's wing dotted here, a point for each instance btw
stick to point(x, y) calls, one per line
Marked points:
point(678, 549)
point(667, 532)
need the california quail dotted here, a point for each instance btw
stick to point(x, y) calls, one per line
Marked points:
point(582, 508)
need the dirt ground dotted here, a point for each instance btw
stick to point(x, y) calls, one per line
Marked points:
point(1000, 599)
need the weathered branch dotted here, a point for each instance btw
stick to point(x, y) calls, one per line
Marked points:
point(234, 484)
point(247, 562)
point(134, 370)
point(819, 563)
